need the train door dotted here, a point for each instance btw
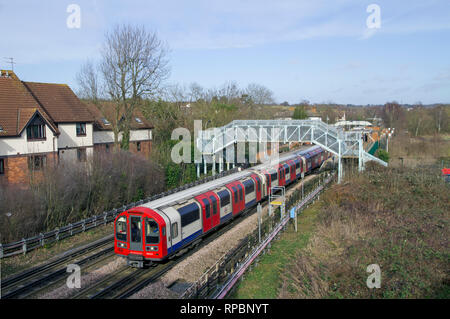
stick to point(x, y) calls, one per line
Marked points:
point(268, 181)
point(258, 188)
point(136, 233)
point(215, 210)
point(287, 175)
point(293, 168)
point(241, 194)
point(281, 180)
point(206, 211)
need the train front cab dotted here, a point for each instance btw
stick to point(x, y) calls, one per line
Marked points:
point(140, 235)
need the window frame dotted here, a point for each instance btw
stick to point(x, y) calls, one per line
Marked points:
point(126, 229)
point(42, 159)
point(138, 146)
point(78, 127)
point(147, 220)
point(40, 132)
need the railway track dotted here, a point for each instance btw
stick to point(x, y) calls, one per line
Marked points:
point(121, 284)
point(127, 281)
point(37, 278)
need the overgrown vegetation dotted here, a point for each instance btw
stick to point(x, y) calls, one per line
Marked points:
point(398, 219)
point(70, 192)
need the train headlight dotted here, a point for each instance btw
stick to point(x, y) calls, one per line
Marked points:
point(122, 245)
point(152, 248)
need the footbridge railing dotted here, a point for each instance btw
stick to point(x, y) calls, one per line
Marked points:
point(213, 142)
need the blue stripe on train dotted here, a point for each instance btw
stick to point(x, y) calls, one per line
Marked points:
point(185, 241)
point(250, 203)
point(226, 217)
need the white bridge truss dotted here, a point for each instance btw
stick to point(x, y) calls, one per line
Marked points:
point(343, 144)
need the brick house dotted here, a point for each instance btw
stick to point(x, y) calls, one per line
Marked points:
point(43, 124)
point(140, 134)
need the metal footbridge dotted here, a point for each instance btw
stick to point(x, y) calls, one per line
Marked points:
point(212, 142)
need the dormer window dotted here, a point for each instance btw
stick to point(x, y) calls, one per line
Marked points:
point(138, 120)
point(105, 121)
point(81, 129)
point(36, 130)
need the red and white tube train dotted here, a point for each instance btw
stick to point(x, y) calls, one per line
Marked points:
point(164, 227)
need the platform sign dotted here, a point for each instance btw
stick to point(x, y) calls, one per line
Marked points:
point(276, 203)
point(292, 213)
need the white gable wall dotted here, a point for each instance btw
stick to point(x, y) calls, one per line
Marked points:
point(21, 146)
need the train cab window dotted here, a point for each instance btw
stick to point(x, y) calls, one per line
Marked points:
point(273, 177)
point(174, 231)
point(151, 231)
point(121, 228)
point(224, 198)
point(136, 227)
point(207, 212)
point(214, 204)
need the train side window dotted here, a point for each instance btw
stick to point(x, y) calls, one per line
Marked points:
point(249, 186)
point(189, 214)
point(224, 198)
point(174, 230)
point(274, 177)
point(214, 204)
point(207, 211)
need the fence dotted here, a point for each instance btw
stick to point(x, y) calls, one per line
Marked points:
point(221, 277)
point(26, 245)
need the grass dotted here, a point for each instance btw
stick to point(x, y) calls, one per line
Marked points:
point(397, 218)
point(12, 265)
point(264, 280)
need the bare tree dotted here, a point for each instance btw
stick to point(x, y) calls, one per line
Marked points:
point(259, 94)
point(134, 64)
point(440, 118)
point(88, 82)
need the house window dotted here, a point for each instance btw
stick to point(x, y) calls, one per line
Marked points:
point(107, 148)
point(2, 166)
point(138, 120)
point(36, 131)
point(105, 121)
point(37, 162)
point(81, 154)
point(138, 146)
point(81, 129)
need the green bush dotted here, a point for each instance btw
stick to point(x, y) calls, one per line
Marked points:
point(383, 155)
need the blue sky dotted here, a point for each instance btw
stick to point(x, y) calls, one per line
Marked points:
point(317, 50)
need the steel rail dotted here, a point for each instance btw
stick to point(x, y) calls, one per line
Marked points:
point(27, 282)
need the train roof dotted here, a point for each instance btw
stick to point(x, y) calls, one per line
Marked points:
point(184, 195)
